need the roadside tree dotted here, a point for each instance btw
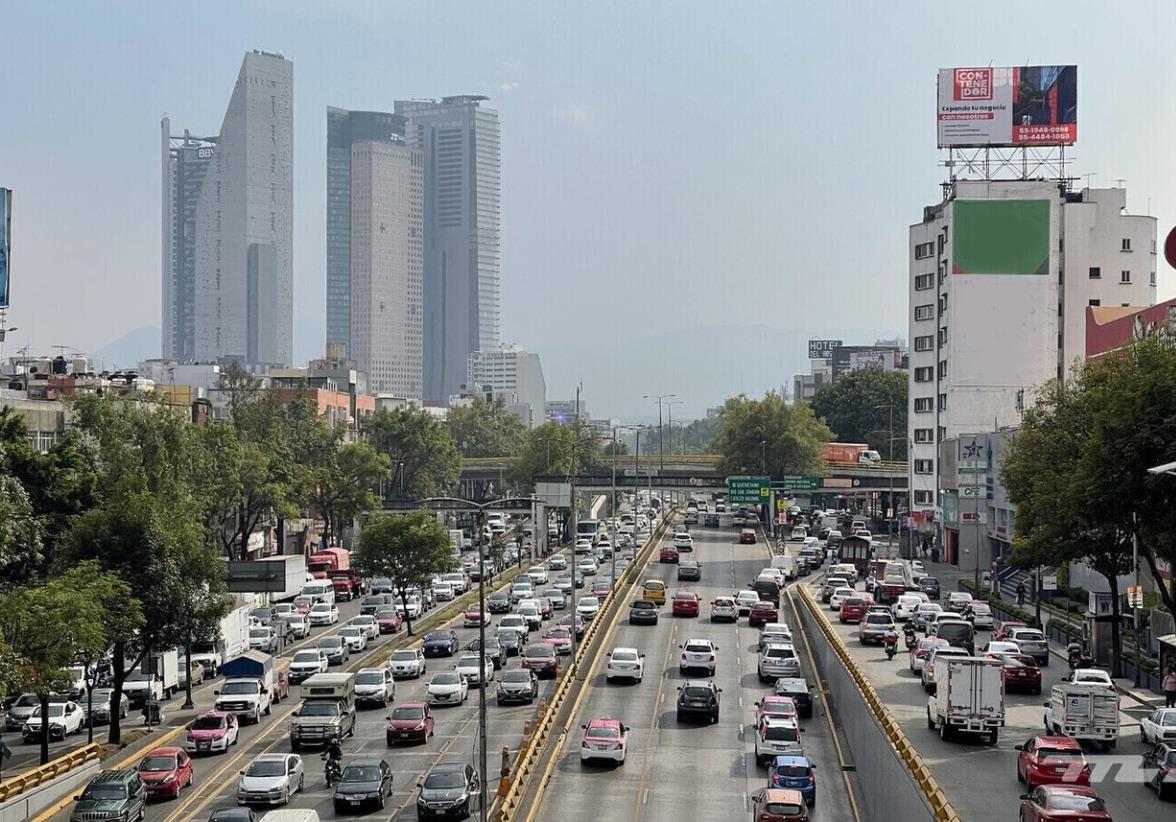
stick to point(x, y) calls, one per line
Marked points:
point(858, 407)
point(770, 437)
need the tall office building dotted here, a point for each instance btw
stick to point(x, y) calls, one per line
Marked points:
point(233, 285)
point(345, 128)
point(460, 143)
point(186, 160)
point(387, 261)
point(511, 370)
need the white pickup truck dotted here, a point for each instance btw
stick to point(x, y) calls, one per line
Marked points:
point(1087, 712)
point(247, 697)
point(968, 697)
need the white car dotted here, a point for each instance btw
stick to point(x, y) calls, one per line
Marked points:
point(839, 596)
point(306, 663)
point(368, 623)
point(1158, 726)
point(917, 566)
point(538, 574)
point(270, 779)
point(724, 609)
point(521, 590)
point(299, 625)
point(323, 613)
point(698, 654)
point(583, 546)
point(65, 718)
point(375, 685)
point(558, 563)
point(518, 623)
point(683, 541)
point(777, 737)
point(587, 567)
point(775, 574)
point(774, 633)
point(1091, 676)
point(625, 663)
point(746, 600)
point(468, 667)
point(408, 662)
point(998, 647)
point(904, 608)
point(263, 639)
point(413, 608)
point(587, 608)
point(447, 688)
point(778, 661)
point(442, 591)
point(958, 601)
point(529, 610)
point(355, 637)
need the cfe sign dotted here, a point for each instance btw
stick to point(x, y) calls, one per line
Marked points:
point(748, 490)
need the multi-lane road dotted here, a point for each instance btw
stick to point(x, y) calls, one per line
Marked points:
point(676, 771)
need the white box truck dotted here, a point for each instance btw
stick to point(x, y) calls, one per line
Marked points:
point(1088, 712)
point(157, 675)
point(295, 576)
point(969, 697)
point(231, 641)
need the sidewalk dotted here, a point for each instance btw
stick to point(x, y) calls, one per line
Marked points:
point(949, 577)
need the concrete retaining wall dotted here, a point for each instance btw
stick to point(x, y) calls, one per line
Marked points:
point(31, 802)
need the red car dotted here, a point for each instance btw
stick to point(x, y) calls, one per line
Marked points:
point(1021, 671)
point(389, 620)
point(779, 805)
point(409, 722)
point(853, 609)
point(1072, 803)
point(560, 639)
point(546, 609)
point(668, 554)
point(762, 613)
point(601, 589)
point(775, 707)
point(922, 650)
point(1052, 760)
point(1001, 629)
point(473, 616)
point(686, 603)
point(747, 536)
point(302, 605)
point(164, 771)
point(541, 657)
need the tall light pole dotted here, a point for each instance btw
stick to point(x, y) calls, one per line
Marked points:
point(660, 431)
point(670, 422)
point(1167, 469)
point(572, 504)
point(890, 497)
point(4, 331)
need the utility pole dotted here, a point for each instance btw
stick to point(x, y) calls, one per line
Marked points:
point(574, 516)
point(482, 760)
point(661, 434)
point(612, 531)
point(670, 423)
point(1136, 609)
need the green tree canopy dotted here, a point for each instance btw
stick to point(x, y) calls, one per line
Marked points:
point(557, 449)
point(345, 485)
point(485, 429)
point(420, 451)
point(858, 407)
point(770, 436)
point(407, 548)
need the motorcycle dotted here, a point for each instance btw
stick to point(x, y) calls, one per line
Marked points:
point(332, 770)
point(890, 640)
point(908, 632)
point(152, 712)
point(1078, 656)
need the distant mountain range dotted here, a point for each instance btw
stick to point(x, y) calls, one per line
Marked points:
point(128, 350)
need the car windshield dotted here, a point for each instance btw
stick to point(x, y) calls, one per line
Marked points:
point(369, 678)
point(517, 675)
point(1167, 719)
point(104, 792)
point(321, 608)
point(403, 656)
point(100, 695)
point(266, 767)
point(587, 602)
point(1075, 802)
point(351, 630)
point(446, 679)
point(158, 763)
point(54, 710)
point(318, 709)
point(361, 773)
point(468, 662)
point(208, 723)
point(781, 733)
point(239, 688)
point(604, 731)
point(696, 693)
point(444, 780)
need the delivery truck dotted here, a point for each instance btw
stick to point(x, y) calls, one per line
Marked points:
point(327, 561)
point(295, 576)
point(157, 675)
point(249, 687)
point(1088, 712)
point(858, 453)
point(231, 640)
point(968, 697)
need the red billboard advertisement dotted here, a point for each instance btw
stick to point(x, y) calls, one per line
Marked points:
point(1010, 106)
point(1109, 328)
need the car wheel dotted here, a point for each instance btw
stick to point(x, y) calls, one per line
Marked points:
point(930, 721)
point(945, 732)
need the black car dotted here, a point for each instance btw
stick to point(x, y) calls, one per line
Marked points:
point(710, 521)
point(800, 692)
point(689, 569)
point(233, 815)
point(510, 640)
point(383, 585)
point(498, 602)
point(518, 685)
point(642, 612)
point(440, 643)
point(930, 587)
point(371, 604)
point(450, 791)
point(698, 698)
point(495, 650)
point(364, 782)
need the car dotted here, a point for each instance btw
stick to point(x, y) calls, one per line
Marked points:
point(375, 686)
point(368, 624)
point(958, 601)
point(520, 590)
point(298, 624)
point(573, 622)
point(762, 613)
point(407, 662)
point(654, 590)
point(1062, 802)
point(498, 602)
point(776, 737)
point(799, 690)
point(832, 583)
point(374, 602)
point(685, 603)
point(472, 616)
point(1091, 676)
point(560, 639)
point(839, 595)
point(1158, 726)
point(669, 554)
point(643, 612)
point(689, 569)
point(1001, 629)
point(724, 609)
point(747, 536)
point(511, 639)
point(999, 647)
point(557, 598)
point(1052, 760)
point(449, 791)
point(65, 718)
point(927, 675)
point(853, 609)
point(475, 669)
point(518, 685)
point(925, 615)
point(115, 795)
point(586, 568)
point(410, 607)
point(1032, 642)
point(271, 779)
point(683, 542)
point(193, 671)
point(583, 546)
point(587, 608)
point(388, 620)
point(447, 688)
point(495, 652)
point(335, 648)
point(409, 722)
point(776, 661)
point(625, 663)
point(440, 643)
point(542, 658)
point(698, 698)
point(795, 773)
point(929, 586)
point(774, 633)
point(698, 654)
point(1160, 768)
point(980, 615)
point(601, 589)
point(164, 771)
point(322, 613)
point(557, 563)
point(355, 637)
point(538, 574)
point(211, 732)
point(775, 707)
point(778, 805)
point(365, 781)
point(100, 704)
point(874, 627)
point(745, 600)
point(905, 607)
point(921, 650)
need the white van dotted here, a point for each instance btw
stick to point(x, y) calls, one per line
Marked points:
point(321, 590)
point(785, 564)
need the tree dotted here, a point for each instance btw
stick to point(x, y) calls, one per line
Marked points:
point(557, 449)
point(769, 437)
point(419, 449)
point(20, 533)
point(48, 627)
point(407, 548)
point(345, 486)
point(858, 408)
point(486, 429)
point(617, 449)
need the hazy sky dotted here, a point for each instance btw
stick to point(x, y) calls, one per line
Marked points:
point(665, 165)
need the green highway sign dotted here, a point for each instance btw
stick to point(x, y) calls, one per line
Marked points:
point(797, 483)
point(748, 490)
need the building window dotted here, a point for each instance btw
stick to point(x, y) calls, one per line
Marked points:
point(1153, 278)
point(942, 303)
point(924, 374)
point(924, 466)
point(942, 433)
point(924, 312)
point(924, 343)
point(923, 498)
point(924, 250)
point(1095, 272)
point(1125, 276)
point(1096, 302)
point(943, 336)
point(924, 405)
point(923, 434)
point(924, 281)
point(1126, 246)
point(943, 369)
point(943, 402)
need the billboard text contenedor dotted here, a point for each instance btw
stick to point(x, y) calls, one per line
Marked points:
point(1008, 106)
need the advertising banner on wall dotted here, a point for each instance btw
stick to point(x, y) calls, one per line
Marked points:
point(5, 242)
point(871, 359)
point(1017, 106)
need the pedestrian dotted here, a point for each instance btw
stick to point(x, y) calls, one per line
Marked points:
point(1169, 688)
point(5, 753)
point(1020, 594)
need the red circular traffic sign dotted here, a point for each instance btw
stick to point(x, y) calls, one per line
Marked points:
point(1170, 248)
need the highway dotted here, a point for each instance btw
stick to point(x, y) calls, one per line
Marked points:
point(676, 771)
point(981, 781)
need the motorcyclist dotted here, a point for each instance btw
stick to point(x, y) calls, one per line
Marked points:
point(908, 631)
point(333, 757)
point(334, 751)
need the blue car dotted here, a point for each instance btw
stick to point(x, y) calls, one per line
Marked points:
point(795, 773)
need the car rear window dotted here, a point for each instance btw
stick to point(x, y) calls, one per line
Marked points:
point(697, 693)
point(781, 733)
point(642, 605)
point(782, 808)
point(853, 602)
point(1075, 802)
point(791, 770)
point(604, 731)
point(1032, 636)
point(697, 648)
point(780, 652)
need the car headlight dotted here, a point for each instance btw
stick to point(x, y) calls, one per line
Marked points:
point(171, 777)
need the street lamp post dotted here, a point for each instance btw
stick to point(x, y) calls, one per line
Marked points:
point(660, 431)
point(890, 497)
point(670, 422)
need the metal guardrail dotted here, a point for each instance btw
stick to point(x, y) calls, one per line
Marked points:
point(919, 771)
point(14, 786)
